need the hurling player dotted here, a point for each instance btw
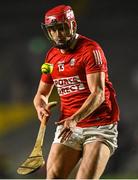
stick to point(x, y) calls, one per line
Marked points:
point(87, 128)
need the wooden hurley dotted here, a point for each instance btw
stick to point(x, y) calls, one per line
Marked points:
point(36, 159)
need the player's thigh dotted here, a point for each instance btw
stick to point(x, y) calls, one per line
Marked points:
point(95, 158)
point(62, 159)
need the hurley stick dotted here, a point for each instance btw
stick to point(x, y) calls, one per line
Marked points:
point(35, 159)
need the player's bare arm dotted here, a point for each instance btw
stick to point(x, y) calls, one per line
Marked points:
point(44, 91)
point(96, 84)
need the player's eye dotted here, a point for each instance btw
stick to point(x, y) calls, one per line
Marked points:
point(52, 29)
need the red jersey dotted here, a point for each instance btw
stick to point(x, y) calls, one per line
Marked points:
point(69, 76)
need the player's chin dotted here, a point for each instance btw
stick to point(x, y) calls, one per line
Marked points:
point(61, 45)
point(60, 42)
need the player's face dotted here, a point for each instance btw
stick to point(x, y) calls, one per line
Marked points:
point(59, 33)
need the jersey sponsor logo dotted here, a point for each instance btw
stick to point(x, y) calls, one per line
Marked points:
point(68, 85)
point(97, 57)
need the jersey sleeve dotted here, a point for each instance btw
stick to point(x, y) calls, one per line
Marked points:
point(95, 60)
point(47, 78)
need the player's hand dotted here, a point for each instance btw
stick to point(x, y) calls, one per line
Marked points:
point(68, 127)
point(43, 110)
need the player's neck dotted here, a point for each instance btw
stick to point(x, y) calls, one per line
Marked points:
point(72, 46)
point(64, 51)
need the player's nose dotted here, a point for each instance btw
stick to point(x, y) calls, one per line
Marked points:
point(58, 33)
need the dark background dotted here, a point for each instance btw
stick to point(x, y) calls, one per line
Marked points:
point(22, 51)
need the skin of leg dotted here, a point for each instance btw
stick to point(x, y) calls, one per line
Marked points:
point(94, 160)
point(61, 160)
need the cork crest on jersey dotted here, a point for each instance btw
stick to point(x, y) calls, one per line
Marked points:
point(72, 62)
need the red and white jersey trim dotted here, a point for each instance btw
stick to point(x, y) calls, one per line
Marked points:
point(97, 57)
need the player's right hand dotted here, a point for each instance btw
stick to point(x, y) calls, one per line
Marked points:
point(43, 107)
point(42, 112)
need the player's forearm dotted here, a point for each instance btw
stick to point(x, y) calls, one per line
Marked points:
point(37, 99)
point(91, 104)
point(43, 89)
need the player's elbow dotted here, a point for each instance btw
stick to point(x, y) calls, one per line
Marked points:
point(37, 100)
point(101, 96)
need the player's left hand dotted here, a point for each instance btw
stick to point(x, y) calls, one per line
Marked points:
point(68, 127)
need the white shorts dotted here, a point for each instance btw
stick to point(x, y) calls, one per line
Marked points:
point(106, 134)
